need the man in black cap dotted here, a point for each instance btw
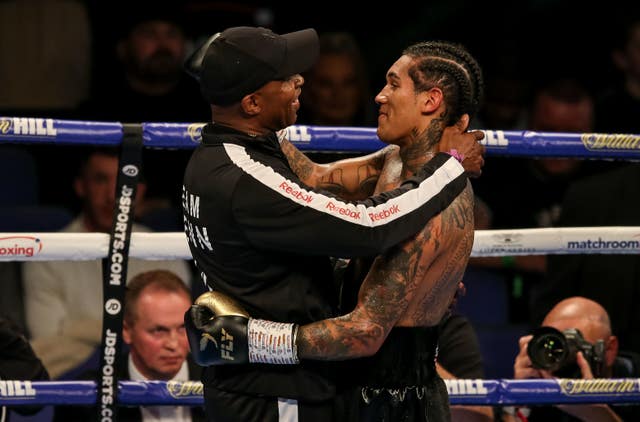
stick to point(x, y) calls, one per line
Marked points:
point(263, 234)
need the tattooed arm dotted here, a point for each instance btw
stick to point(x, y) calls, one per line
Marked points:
point(411, 285)
point(384, 296)
point(351, 179)
point(355, 178)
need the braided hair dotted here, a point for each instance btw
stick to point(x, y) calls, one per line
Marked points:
point(451, 68)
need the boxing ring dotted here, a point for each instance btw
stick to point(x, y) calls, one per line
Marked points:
point(160, 246)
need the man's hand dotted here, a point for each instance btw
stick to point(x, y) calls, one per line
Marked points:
point(522, 367)
point(585, 368)
point(465, 144)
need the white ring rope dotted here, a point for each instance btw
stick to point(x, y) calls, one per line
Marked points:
point(164, 246)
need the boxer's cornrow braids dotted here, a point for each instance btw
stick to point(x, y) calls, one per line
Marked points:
point(451, 68)
point(460, 54)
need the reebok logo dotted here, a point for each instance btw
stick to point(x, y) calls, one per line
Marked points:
point(384, 213)
point(343, 211)
point(296, 193)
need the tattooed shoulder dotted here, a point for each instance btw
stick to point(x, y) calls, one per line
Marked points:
point(460, 213)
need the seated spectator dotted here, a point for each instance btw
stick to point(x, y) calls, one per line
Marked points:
point(150, 85)
point(336, 90)
point(154, 309)
point(617, 110)
point(459, 357)
point(559, 105)
point(504, 106)
point(592, 321)
point(536, 185)
point(63, 299)
point(18, 362)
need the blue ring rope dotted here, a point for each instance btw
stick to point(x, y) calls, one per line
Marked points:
point(461, 391)
point(317, 138)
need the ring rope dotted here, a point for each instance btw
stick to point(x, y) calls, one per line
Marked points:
point(160, 246)
point(166, 246)
point(317, 138)
point(461, 391)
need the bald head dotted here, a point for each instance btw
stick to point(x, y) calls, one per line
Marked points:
point(584, 314)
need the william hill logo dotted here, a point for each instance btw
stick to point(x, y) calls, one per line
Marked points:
point(581, 387)
point(466, 387)
point(194, 130)
point(17, 389)
point(596, 141)
point(27, 126)
point(179, 389)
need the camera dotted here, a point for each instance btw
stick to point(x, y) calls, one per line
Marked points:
point(556, 350)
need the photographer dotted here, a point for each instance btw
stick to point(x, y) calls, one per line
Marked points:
point(593, 353)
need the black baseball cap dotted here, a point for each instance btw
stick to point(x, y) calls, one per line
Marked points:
point(239, 60)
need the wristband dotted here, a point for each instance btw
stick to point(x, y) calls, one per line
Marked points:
point(457, 155)
point(272, 342)
point(282, 135)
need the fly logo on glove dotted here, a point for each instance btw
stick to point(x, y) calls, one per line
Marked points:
point(221, 332)
point(227, 345)
point(205, 338)
point(226, 341)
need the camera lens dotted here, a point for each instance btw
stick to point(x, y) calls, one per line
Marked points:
point(548, 349)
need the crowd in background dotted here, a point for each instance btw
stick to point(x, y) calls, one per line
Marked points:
point(545, 70)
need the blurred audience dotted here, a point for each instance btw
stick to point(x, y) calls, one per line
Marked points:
point(46, 49)
point(151, 86)
point(154, 331)
point(536, 186)
point(558, 106)
point(336, 90)
point(607, 199)
point(63, 299)
point(613, 199)
point(504, 106)
point(618, 109)
point(459, 357)
point(599, 358)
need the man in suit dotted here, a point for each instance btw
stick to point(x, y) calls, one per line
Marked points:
point(153, 329)
point(63, 299)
